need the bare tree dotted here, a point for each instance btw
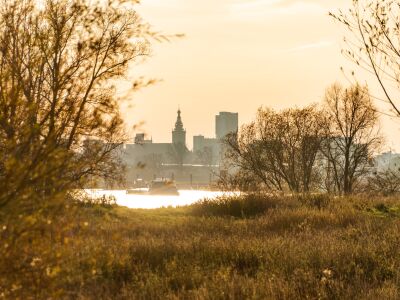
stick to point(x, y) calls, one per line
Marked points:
point(238, 180)
point(301, 137)
point(58, 62)
point(385, 183)
point(352, 135)
point(245, 154)
point(375, 42)
point(279, 148)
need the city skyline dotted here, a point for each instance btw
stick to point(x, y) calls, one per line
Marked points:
point(224, 122)
point(241, 55)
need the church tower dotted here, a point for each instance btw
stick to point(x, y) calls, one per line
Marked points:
point(179, 133)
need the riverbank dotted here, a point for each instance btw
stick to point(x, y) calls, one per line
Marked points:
point(253, 247)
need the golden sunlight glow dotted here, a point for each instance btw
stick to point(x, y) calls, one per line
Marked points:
point(238, 55)
point(186, 197)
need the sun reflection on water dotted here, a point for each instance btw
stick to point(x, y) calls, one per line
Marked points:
point(186, 197)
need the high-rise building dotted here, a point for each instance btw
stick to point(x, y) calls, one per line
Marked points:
point(179, 133)
point(225, 123)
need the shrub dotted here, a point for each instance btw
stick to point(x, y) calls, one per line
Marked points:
point(319, 201)
point(239, 206)
point(103, 201)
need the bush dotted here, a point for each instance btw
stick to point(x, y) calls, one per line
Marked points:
point(239, 206)
point(251, 205)
point(319, 201)
point(104, 201)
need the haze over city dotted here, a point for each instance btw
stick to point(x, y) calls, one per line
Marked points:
point(239, 55)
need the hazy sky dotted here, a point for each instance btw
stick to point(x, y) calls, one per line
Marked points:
point(238, 55)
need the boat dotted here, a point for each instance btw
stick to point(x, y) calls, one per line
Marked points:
point(137, 191)
point(163, 187)
point(139, 187)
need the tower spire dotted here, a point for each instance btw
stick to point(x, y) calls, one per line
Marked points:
point(179, 123)
point(179, 133)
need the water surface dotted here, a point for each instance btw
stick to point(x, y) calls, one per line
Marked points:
point(186, 197)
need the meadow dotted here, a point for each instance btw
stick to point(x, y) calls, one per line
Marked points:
point(242, 247)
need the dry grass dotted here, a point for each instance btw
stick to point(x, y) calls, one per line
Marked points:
point(289, 248)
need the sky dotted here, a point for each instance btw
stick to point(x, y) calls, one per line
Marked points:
point(238, 55)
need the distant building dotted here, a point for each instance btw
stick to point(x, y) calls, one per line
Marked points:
point(145, 152)
point(200, 142)
point(387, 161)
point(225, 123)
point(140, 139)
point(206, 151)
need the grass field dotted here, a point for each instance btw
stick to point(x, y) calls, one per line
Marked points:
point(249, 247)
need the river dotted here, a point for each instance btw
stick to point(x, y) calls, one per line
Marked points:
point(186, 197)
